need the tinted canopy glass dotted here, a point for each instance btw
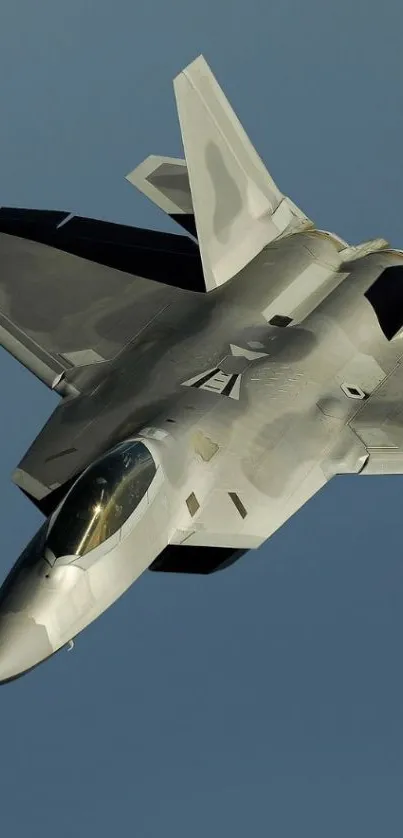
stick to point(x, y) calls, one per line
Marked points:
point(102, 500)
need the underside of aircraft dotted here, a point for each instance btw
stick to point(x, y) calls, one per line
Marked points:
point(210, 382)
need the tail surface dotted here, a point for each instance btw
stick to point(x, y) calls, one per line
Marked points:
point(222, 192)
point(165, 181)
point(237, 206)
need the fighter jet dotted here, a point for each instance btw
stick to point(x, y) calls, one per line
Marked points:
point(210, 383)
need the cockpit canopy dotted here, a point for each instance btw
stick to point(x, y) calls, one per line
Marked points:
point(102, 500)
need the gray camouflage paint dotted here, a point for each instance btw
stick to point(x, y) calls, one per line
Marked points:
point(246, 420)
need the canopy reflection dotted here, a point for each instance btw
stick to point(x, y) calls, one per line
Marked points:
point(102, 500)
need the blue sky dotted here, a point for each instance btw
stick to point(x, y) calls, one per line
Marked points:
point(266, 700)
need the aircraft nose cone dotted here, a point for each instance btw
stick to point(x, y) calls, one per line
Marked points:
point(23, 644)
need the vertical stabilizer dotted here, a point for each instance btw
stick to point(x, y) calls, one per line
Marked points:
point(237, 206)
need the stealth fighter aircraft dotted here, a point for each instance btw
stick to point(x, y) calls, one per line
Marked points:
point(210, 382)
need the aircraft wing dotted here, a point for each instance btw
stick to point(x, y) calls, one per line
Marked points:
point(74, 291)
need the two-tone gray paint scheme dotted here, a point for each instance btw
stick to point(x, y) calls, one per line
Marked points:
point(245, 400)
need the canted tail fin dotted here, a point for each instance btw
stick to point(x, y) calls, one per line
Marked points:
point(222, 192)
point(237, 206)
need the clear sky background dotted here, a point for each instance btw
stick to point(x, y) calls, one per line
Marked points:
point(265, 700)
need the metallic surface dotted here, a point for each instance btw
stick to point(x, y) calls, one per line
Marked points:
point(264, 361)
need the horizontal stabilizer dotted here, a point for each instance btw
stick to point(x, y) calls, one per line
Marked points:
point(165, 181)
point(237, 206)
